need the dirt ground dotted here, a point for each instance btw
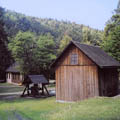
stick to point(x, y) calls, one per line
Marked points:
point(11, 92)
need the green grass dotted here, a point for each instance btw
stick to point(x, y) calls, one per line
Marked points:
point(48, 109)
point(7, 84)
point(7, 88)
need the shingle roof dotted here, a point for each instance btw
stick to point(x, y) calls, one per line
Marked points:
point(96, 54)
point(13, 68)
point(36, 79)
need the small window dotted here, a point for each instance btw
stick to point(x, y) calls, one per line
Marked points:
point(74, 59)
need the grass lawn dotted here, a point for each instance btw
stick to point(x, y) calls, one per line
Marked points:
point(48, 109)
point(6, 84)
point(7, 88)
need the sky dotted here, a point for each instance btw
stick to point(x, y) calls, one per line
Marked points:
point(93, 13)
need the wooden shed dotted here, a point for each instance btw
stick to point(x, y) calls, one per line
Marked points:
point(84, 71)
point(13, 75)
point(38, 83)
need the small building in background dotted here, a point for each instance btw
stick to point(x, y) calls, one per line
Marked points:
point(84, 71)
point(13, 74)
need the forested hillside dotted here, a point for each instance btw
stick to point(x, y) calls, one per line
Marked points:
point(35, 42)
point(15, 22)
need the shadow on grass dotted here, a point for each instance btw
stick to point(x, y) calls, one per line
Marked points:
point(19, 99)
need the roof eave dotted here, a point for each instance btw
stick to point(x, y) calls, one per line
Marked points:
point(53, 64)
point(109, 67)
point(13, 71)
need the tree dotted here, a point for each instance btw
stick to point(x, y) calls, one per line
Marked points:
point(111, 39)
point(118, 8)
point(111, 43)
point(86, 35)
point(34, 54)
point(64, 42)
point(5, 57)
point(45, 53)
point(23, 50)
point(15, 22)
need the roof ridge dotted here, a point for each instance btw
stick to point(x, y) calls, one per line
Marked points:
point(84, 44)
point(96, 54)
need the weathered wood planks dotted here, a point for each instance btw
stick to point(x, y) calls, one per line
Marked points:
point(83, 80)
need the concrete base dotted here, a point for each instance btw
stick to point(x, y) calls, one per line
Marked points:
point(62, 101)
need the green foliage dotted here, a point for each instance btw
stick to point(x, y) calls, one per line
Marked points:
point(36, 49)
point(45, 51)
point(5, 58)
point(118, 8)
point(64, 42)
point(22, 47)
point(33, 54)
point(16, 21)
point(92, 37)
point(111, 38)
point(86, 35)
point(112, 23)
point(111, 43)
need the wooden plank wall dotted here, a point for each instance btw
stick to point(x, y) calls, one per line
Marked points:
point(108, 82)
point(16, 78)
point(82, 58)
point(76, 82)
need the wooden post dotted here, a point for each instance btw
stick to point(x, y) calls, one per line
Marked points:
point(43, 89)
point(24, 92)
point(46, 89)
point(28, 90)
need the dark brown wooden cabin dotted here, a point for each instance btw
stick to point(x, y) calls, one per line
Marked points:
point(84, 71)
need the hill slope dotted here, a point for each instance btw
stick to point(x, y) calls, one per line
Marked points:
point(16, 21)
